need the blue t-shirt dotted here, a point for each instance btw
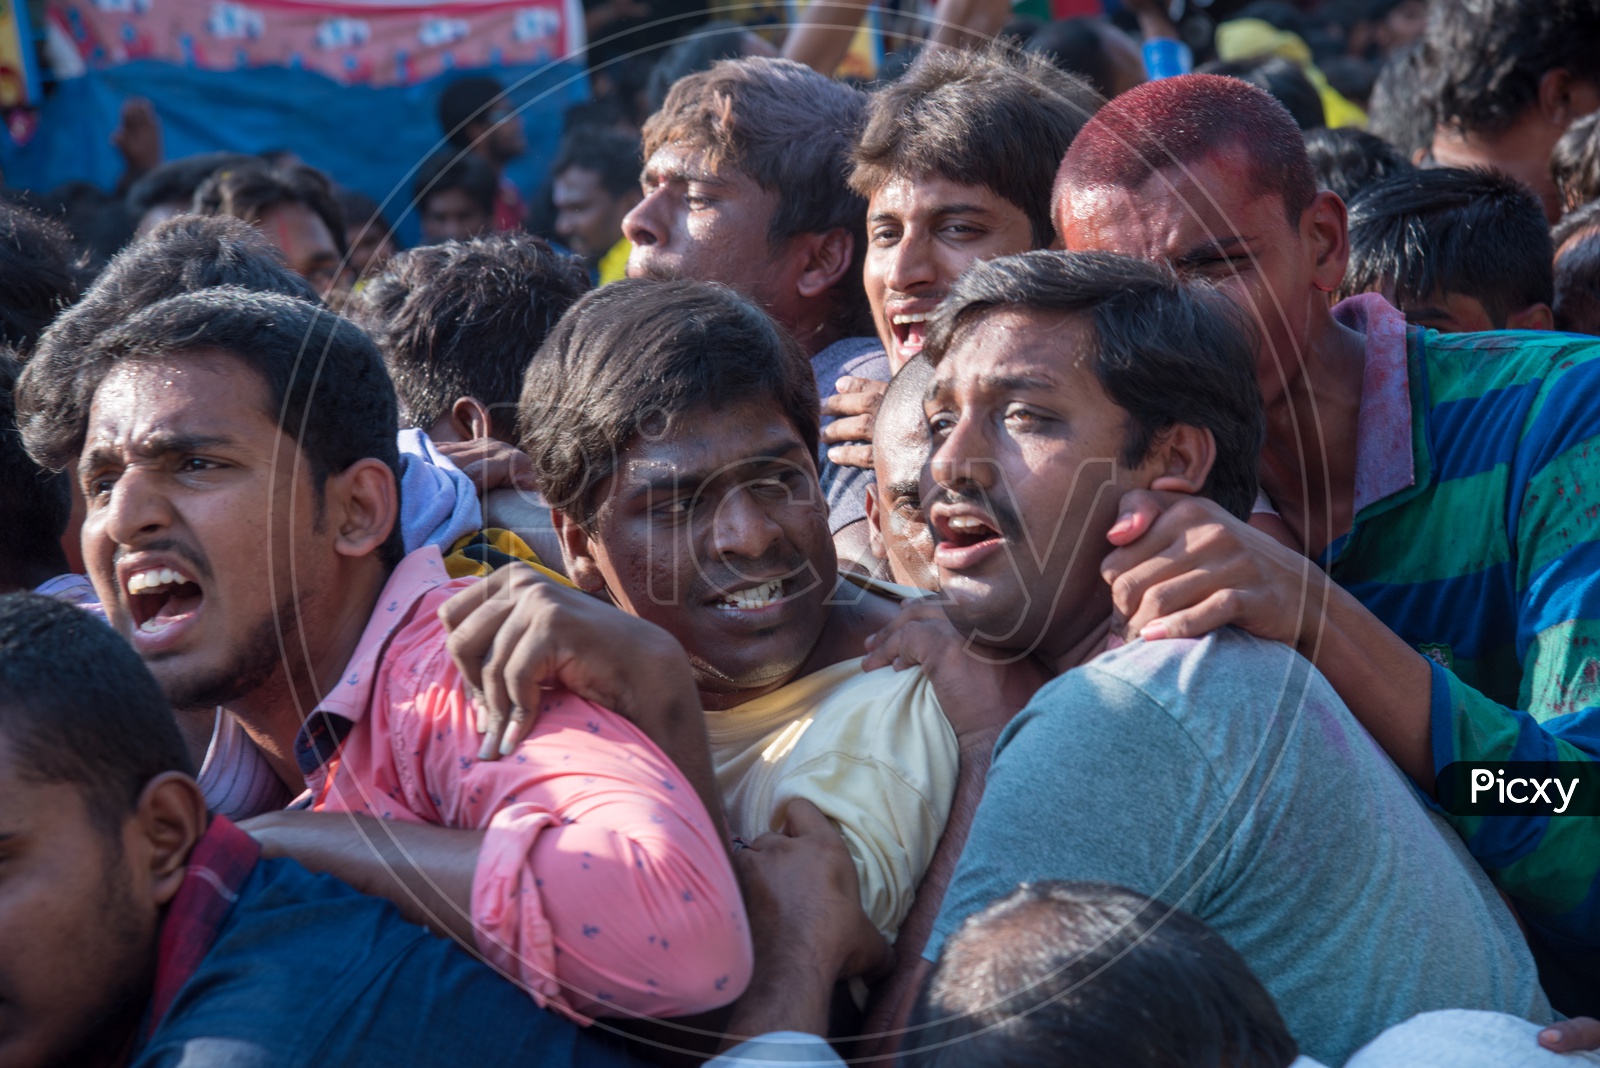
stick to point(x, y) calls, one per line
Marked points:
point(1224, 776)
point(846, 487)
point(306, 971)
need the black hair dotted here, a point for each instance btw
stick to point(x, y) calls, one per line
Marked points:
point(463, 319)
point(464, 103)
point(1347, 160)
point(38, 274)
point(611, 154)
point(326, 384)
point(248, 190)
point(1577, 270)
point(1062, 973)
point(175, 182)
point(35, 503)
point(1575, 162)
point(1402, 109)
point(1487, 57)
point(447, 170)
point(362, 211)
point(183, 254)
point(1285, 81)
point(1077, 46)
point(1168, 352)
point(1478, 232)
point(642, 355)
point(996, 118)
point(78, 707)
point(696, 51)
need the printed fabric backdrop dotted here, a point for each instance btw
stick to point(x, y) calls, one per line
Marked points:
point(350, 86)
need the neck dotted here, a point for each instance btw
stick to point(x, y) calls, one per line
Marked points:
point(273, 713)
point(814, 329)
point(1308, 462)
point(1082, 650)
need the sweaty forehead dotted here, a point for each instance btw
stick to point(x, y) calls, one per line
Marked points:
point(211, 392)
point(1171, 210)
point(1014, 347)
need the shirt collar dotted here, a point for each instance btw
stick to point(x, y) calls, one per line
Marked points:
point(218, 866)
point(346, 703)
point(1385, 464)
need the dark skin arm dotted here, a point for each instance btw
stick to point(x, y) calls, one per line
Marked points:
point(807, 924)
point(516, 633)
point(1183, 567)
point(980, 690)
point(425, 871)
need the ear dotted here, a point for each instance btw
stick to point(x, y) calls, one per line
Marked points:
point(1181, 459)
point(577, 549)
point(827, 260)
point(469, 418)
point(1326, 229)
point(1555, 97)
point(363, 503)
point(1533, 317)
point(168, 820)
point(874, 532)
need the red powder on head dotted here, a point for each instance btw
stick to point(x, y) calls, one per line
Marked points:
point(1181, 120)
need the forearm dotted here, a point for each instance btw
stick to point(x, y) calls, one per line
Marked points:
point(968, 23)
point(821, 38)
point(1385, 683)
point(789, 991)
point(897, 993)
point(425, 871)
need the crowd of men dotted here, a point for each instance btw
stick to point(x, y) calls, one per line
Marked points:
point(996, 566)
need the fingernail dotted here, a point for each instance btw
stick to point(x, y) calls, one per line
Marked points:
point(842, 385)
point(486, 752)
point(508, 745)
point(1154, 632)
point(1124, 522)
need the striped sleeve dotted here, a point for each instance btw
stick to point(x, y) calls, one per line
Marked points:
point(1548, 864)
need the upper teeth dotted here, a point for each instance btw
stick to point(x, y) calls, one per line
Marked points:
point(966, 522)
point(756, 596)
point(154, 578)
point(901, 320)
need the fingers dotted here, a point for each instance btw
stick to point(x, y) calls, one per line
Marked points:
point(1570, 1036)
point(498, 697)
point(804, 818)
point(1136, 514)
point(851, 455)
point(1218, 610)
point(851, 403)
point(853, 429)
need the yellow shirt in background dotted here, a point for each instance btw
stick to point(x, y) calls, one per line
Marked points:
point(872, 750)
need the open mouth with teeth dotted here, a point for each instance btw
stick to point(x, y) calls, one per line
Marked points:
point(965, 531)
point(752, 598)
point(159, 598)
point(909, 331)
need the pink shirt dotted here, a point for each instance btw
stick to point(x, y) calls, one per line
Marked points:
point(601, 884)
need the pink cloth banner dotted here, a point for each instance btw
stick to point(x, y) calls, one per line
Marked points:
point(377, 44)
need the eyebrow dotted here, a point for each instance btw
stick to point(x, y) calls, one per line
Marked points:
point(1220, 246)
point(943, 209)
point(157, 445)
point(676, 480)
point(911, 487)
point(679, 172)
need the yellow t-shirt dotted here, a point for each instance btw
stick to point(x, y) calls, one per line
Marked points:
point(872, 750)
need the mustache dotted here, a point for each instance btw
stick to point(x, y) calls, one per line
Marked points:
point(659, 272)
point(720, 580)
point(1005, 517)
point(188, 555)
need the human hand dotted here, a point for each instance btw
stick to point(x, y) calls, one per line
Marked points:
point(138, 135)
point(804, 901)
point(979, 688)
point(854, 410)
point(517, 632)
point(1571, 1036)
point(1184, 567)
point(491, 464)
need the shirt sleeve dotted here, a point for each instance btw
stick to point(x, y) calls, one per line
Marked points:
point(1088, 783)
point(1548, 864)
point(601, 883)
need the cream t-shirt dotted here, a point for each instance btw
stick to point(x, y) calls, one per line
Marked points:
point(872, 750)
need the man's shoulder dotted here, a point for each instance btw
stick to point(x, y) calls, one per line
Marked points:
point(1470, 367)
point(860, 356)
point(882, 716)
point(1171, 672)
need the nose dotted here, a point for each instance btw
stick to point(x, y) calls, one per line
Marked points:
point(965, 458)
point(910, 264)
point(742, 528)
point(135, 512)
point(645, 224)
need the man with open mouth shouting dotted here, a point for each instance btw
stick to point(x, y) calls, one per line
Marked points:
point(237, 453)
